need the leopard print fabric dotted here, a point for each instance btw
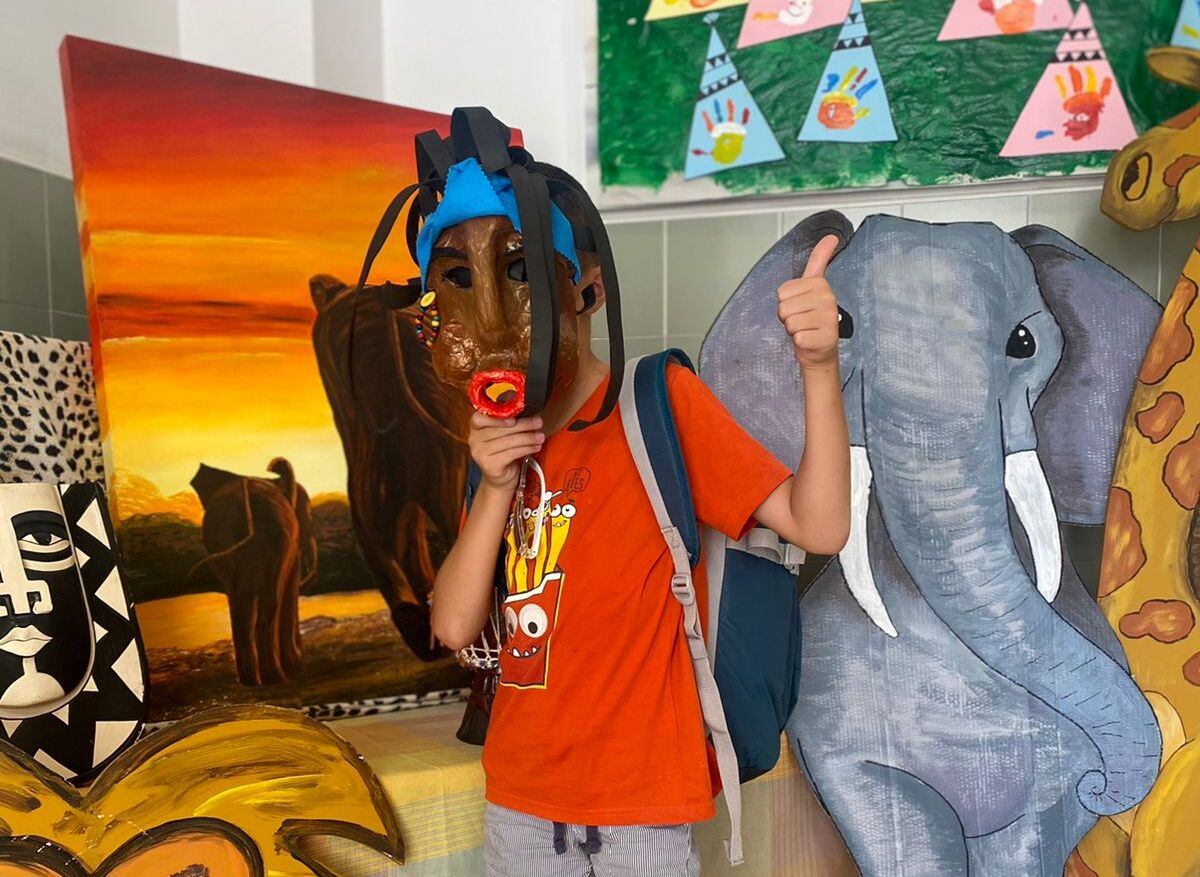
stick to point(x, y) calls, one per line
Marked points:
point(49, 425)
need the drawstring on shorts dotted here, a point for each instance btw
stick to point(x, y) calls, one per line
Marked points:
point(591, 845)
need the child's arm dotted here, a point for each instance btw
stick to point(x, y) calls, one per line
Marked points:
point(462, 591)
point(812, 509)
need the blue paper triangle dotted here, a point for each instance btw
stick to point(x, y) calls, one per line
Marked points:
point(728, 129)
point(851, 103)
point(1187, 27)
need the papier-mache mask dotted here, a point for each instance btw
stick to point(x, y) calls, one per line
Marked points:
point(499, 261)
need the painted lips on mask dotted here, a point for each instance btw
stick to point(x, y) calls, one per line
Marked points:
point(498, 393)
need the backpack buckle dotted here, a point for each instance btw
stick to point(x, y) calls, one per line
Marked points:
point(681, 587)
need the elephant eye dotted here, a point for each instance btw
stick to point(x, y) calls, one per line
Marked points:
point(1020, 343)
point(459, 276)
point(845, 324)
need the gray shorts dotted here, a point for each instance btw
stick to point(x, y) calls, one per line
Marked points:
point(517, 845)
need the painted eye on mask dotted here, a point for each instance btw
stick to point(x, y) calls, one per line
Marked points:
point(459, 276)
point(43, 542)
point(845, 324)
point(516, 271)
point(533, 620)
point(1021, 344)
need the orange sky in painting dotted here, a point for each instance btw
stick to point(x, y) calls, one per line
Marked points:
point(207, 199)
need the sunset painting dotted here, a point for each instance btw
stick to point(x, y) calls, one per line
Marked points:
point(218, 212)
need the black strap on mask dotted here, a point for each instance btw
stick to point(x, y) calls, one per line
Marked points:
point(476, 133)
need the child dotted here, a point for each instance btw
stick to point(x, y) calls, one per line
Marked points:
point(596, 754)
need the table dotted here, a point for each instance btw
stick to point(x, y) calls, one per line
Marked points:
point(435, 784)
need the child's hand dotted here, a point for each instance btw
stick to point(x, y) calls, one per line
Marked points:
point(809, 311)
point(498, 446)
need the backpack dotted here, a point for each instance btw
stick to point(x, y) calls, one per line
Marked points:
point(748, 670)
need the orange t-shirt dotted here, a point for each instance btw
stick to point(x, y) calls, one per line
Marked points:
point(596, 720)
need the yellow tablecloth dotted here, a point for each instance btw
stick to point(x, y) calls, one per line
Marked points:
point(435, 784)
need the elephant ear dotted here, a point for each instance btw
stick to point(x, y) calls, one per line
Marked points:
point(1107, 321)
point(747, 358)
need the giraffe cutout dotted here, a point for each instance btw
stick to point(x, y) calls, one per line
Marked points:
point(1150, 592)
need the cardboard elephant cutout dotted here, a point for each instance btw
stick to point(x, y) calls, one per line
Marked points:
point(963, 704)
point(259, 537)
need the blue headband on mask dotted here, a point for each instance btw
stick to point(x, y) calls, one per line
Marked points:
point(471, 193)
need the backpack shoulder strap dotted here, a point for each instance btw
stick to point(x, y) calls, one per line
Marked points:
point(650, 432)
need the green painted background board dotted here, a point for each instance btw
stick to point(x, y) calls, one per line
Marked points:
point(954, 103)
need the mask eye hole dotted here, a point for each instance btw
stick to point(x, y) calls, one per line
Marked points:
point(1136, 179)
point(845, 324)
point(459, 275)
point(516, 271)
point(1021, 344)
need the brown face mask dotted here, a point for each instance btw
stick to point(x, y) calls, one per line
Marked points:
point(477, 275)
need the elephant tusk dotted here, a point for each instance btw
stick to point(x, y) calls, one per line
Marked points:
point(1025, 482)
point(856, 562)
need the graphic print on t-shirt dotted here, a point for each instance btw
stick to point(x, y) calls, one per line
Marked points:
point(536, 534)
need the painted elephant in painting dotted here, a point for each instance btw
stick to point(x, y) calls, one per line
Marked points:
point(964, 707)
point(403, 432)
point(261, 548)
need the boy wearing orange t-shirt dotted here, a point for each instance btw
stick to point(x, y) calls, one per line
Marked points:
point(596, 754)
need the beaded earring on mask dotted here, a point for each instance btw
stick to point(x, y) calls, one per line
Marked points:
point(428, 321)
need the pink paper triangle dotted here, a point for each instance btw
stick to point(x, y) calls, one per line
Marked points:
point(993, 18)
point(768, 20)
point(1077, 105)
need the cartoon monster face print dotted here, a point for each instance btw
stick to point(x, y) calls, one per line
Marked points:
point(529, 620)
point(46, 640)
point(535, 537)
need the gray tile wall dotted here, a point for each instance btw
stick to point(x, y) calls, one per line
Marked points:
point(41, 278)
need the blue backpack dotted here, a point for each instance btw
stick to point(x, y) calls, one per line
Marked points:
point(748, 670)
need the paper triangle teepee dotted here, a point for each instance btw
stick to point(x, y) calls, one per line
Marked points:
point(993, 18)
point(851, 104)
point(1077, 105)
point(728, 129)
point(768, 20)
point(675, 8)
point(1187, 26)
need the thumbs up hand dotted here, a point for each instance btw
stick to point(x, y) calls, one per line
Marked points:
point(809, 311)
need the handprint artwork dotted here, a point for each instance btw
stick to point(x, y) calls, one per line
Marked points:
point(840, 106)
point(1083, 105)
point(1079, 84)
point(727, 132)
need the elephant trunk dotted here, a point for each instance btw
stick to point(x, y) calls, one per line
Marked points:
point(946, 513)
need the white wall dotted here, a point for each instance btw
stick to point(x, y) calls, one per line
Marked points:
point(528, 60)
point(523, 59)
point(272, 38)
point(33, 127)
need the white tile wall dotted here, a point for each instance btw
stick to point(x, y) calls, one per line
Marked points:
point(699, 261)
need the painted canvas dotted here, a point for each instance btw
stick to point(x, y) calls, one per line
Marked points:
point(1150, 588)
point(768, 20)
point(993, 18)
point(851, 104)
point(226, 792)
point(675, 8)
point(209, 203)
point(728, 128)
point(952, 645)
point(1077, 105)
